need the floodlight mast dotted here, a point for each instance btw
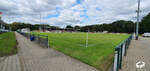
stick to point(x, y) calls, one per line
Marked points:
point(137, 25)
point(9, 22)
point(40, 23)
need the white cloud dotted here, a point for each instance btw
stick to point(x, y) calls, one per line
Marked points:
point(97, 11)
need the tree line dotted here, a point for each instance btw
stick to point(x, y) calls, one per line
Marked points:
point(18, 25)
point(120, 26)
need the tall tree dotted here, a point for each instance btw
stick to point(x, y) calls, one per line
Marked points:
point(145, 24)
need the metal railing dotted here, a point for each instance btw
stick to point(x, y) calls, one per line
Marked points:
point(40, 39)
point(120, 51)
point(3, 32)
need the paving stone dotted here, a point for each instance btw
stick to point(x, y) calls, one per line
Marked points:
point(9, 63)
point(138, 51)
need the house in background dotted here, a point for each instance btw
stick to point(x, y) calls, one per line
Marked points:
point(2, 26)
point(25, 30)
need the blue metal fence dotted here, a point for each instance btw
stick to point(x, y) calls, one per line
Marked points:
point(40, 39)
point(120, 51)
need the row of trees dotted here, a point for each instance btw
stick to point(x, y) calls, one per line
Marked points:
point(120, 26)
point(18, 25)
point(145, 24)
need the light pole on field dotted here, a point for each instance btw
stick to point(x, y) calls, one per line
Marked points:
point(9, 19)
point(138, 15)
point(40, 23)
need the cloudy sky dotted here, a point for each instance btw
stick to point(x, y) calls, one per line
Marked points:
point(71, 12)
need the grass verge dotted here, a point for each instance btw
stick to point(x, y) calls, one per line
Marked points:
point(7, 44)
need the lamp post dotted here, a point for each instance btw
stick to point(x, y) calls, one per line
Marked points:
point(9, 20)
point(137, 25)
point(40, 23)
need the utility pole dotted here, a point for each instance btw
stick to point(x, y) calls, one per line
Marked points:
point(9, 23)
point(40, 23)
point(137, 25)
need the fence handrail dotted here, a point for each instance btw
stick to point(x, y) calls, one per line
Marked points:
point(43, 35)
point(38, 35)
point(124, 41)
point(120, 51)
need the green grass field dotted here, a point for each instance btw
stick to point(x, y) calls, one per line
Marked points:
point(7, 44)
point(100, 50)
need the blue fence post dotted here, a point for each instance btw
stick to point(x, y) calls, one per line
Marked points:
point(121, 46)
point(125, 48)
point(118, 58)
point(47, 42)
point(127, 43)
point(121, 51)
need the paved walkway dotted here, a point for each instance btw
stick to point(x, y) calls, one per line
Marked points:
point(139, 50)
point(10, 63)
point(36, 58)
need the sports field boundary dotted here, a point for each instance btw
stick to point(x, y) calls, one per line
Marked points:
point(110, 66)
point(120, 52)
point(42, 40)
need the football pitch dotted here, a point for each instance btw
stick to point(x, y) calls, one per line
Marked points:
point(99, 52)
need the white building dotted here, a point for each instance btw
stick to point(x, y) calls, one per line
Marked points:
point(25, 30)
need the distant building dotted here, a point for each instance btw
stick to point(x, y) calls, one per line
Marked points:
point(105, 31)
point(1, 24)
point(25, 30)
point(2, 27)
